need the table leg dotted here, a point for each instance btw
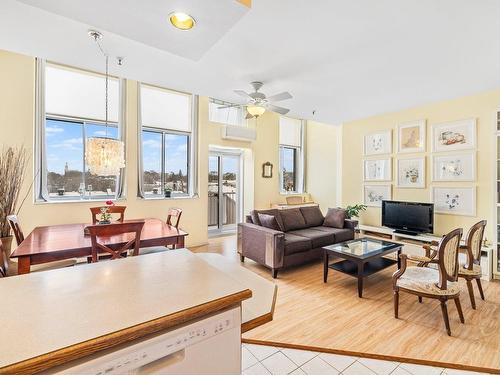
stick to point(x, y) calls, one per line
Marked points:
point(399, 258)
point(23, 265)
point(325, 266)
point(360, 279)
point(180, 242)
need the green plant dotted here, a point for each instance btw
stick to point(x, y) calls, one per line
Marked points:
point(353, 211)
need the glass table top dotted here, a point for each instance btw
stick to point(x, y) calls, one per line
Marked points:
point(363, 247)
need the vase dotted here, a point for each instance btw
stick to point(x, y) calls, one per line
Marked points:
point(103, 222)
point(168, 194)
point(7, 245)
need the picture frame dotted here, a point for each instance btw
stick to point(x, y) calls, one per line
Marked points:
point(377, 169)
point(411, 173)
point(267, 170)
point(454, 200)
point(373, 195)
point(379, 143)
point(455, 135)
point(412, 136)
point(454, 167)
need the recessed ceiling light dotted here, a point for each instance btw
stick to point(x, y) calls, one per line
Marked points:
point(182, 21)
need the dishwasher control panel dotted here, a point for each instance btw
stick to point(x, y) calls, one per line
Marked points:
point(130, 358)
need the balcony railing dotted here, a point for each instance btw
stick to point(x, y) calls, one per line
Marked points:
point(229, 213)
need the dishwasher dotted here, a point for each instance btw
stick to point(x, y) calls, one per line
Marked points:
point(210, 346)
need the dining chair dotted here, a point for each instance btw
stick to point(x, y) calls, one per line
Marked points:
point(16, 228)
point(294, 199)
point(440, 283)
point(173, 214)
point(111, 209)
point(99, 233)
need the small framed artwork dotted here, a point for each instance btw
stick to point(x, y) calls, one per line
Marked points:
point(411, 173)
point(375, 194)
point(454, 167)
point(379, 143)
point(411, 136)
point(378, 170)
point(456, 135)
point(454, 201)
point(267, 170)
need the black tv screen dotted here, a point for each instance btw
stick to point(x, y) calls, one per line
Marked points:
point(408, 217)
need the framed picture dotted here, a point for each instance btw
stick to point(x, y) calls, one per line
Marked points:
point(411, 173)
point(454, 201)
point(267, 170)
point(378, 170)
point(454, 167)
point(375, 194)
point(456, 135)
point(411, 136)
point(378, 143)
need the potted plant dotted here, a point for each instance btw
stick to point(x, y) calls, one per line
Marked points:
point(12, 167)
point(168, 192)
point(105, 215)
point(354, 210)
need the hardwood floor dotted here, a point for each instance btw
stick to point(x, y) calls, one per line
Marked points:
point(330, 317)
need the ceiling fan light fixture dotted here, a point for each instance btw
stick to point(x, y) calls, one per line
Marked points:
point(181, 20)
point(255, 110)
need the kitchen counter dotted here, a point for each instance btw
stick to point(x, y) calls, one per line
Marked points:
point(52, 317)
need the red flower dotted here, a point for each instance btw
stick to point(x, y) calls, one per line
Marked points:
point(110, 203)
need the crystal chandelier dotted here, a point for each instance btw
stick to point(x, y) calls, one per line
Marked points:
point(104, 156)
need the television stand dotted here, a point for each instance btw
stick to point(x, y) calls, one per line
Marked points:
point(407, 232)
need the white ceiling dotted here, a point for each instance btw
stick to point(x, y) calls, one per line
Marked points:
point(345, 59)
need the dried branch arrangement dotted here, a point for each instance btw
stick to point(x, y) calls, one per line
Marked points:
point(13, 162)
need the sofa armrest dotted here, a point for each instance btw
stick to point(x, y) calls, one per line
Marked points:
point(263, 245)
point(350, 224)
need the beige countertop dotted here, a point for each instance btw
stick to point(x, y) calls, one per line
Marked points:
point(45, 312)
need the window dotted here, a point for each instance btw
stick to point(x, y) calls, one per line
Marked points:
point(229, 114)
point(71, 110)
point(166, 140)
point(291, 155)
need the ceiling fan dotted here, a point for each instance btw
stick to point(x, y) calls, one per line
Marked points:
point(258, 102)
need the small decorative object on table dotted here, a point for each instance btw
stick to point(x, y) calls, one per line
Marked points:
point(105, 215)
point(168, 192)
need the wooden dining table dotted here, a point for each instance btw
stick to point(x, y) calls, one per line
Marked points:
point(59, 242)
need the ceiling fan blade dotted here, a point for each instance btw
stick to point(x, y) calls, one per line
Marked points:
point(228, 106)
point(243, 93)
point(275, 108)
point(281, 96)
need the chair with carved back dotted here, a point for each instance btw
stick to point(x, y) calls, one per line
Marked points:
point(111, 209)
point(173, 219)
point(294, 199)
point(440, 283)
point(16, 228)
point(131, 232)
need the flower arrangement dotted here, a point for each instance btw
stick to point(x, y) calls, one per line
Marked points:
point(105, 214)
point(412, 174)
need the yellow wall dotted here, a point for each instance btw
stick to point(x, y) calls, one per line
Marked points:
point(481, 107)
point(17, 102)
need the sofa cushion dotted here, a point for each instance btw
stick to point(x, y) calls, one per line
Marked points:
point(335, 218)
point(318, 238)
point(312, 216)
point(292, 219)
point(341, 235)
point(296, 244)
point(274, 212)
point(269, 221)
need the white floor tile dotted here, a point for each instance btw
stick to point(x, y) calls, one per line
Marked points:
point(450, 371)
point(247, 358)
point(256, 369)
point(378, 366)
point(421, 369)
point(317, 366)
point(279, 364)
point(299, 357)
point(400, 371)
point(261, 351)
point(299, 371)
point(357, 369)
point(339, 362)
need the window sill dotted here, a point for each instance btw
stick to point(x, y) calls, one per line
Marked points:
point(181, 197)
point(72, 201)
point(292, 193)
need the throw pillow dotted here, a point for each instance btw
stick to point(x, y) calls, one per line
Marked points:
point(292, 219)
point(335, 218)
point(269, 221)
point(313, 216)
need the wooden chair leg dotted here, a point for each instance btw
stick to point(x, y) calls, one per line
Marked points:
point(242, 258)
point(444, 310)
point(419, 299)
point(480, 287)
point(275, 273)
point(459, 309)
point(396, 304)
point(471, 293)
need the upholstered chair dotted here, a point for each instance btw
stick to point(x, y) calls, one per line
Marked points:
point(440, 283)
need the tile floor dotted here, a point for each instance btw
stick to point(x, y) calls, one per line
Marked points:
point(269, 360)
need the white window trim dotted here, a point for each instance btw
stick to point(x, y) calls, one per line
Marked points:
point(40, 192)
point(300, 164)
point(192, 155)
point(243, 121)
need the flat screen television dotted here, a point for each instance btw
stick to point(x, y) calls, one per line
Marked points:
point(408, 217)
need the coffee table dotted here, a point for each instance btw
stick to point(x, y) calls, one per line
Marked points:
point(362, 257)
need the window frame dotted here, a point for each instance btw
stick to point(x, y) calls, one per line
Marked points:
point(242, 120)
point(299, 164)
point(192, 152)
point(41, 194)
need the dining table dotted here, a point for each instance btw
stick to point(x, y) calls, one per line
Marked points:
point(59, 242)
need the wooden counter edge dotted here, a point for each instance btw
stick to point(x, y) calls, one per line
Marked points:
point(263, 319)
point(83, 349)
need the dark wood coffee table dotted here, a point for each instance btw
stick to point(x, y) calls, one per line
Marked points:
point(362, 257)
